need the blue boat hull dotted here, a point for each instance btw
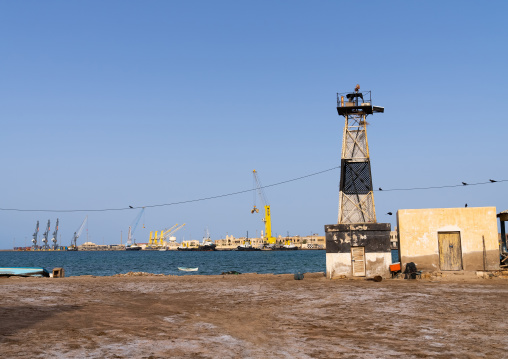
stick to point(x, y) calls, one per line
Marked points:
point(24, 272)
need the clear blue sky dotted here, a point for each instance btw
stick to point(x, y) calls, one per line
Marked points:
point(118, 103)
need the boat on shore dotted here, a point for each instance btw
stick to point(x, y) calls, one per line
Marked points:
point(187, 269)
point(24, 272)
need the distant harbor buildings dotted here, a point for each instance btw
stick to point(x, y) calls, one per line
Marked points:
point(230, 242)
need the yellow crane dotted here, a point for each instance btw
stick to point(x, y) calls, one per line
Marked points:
point(268, 238)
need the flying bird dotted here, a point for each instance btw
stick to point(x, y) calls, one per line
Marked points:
point(131, 207)
point(464, 183)
point(389, 213)
point(492, 181)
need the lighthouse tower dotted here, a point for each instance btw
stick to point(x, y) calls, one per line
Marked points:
point(357, 245)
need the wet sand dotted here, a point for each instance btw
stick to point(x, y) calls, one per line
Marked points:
point(253, 316)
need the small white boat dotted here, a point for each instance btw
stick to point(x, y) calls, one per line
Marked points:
point(186, 269)
point(163, 249)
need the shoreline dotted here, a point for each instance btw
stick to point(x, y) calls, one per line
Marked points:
point(437, 276)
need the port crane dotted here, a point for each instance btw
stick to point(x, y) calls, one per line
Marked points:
point(132, 228)
point(78, 233)
point(45, 236)
point(267, 219)
point(170, 232)
point(34, 236)
point(55, 235)
point(154, 240)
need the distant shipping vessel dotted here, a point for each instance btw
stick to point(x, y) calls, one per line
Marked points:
point(134, 247)
point(247, 247)
point(206, 246)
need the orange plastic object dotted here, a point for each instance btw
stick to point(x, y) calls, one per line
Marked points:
point(395, 267)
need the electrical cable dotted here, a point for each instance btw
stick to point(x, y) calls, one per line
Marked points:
point(168, 204)
point(239, 192)
point(436, 187)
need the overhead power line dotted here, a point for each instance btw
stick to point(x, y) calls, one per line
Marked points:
point(436, 187)
point(240, 192)
point(168, 204)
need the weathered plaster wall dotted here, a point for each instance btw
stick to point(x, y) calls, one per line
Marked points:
point(338, 264)
point(378, 264)
point(418, 235)
point(374, 237)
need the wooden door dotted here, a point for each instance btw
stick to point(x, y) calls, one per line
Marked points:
point(358, 261)
point(450, 251)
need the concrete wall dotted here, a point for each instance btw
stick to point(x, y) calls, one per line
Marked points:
point(339, 264)
point(374, 237)
point(418, 236)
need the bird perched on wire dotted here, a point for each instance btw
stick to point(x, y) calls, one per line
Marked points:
point(464, 183)
point(492, 180)
point(389, 213)
point(380, 189)
point(131, 207)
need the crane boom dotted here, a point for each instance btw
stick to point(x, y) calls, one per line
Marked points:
point(170, 233)
point(268, 218)
point(80, 230)
point(136, 220)
point(169, 230)
point(133, 226)
point(78, 233)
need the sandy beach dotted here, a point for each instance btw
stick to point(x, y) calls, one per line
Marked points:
point(252, 316)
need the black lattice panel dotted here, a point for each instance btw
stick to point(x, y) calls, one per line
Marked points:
point(356, 178)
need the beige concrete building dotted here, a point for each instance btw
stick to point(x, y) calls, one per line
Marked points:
point(394, 239)
point(444, 239)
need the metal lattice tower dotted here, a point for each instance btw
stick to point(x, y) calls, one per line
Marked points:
point(356, 202)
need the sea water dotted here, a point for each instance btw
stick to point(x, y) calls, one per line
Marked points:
point(104, 263)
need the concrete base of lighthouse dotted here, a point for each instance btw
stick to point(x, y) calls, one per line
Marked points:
point(358, 250)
